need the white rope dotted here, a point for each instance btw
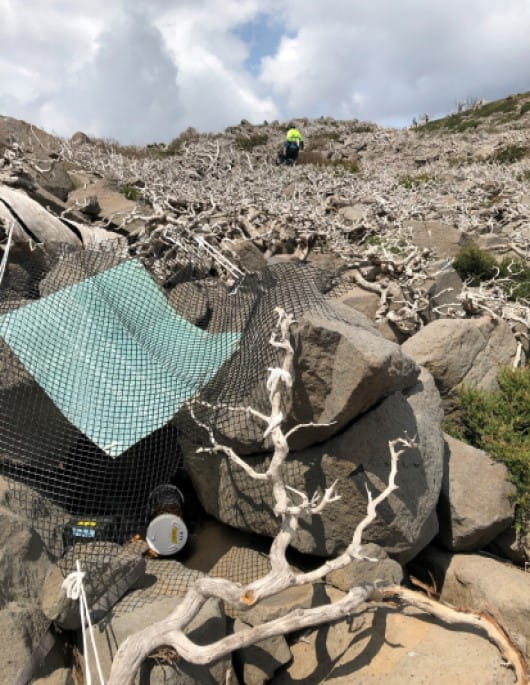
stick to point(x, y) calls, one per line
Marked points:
point(5, 256)
point(74, 588)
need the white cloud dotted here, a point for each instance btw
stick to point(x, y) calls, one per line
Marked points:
point(389, 60)
point(216, 90)
point(138, 74)
point(141, 71)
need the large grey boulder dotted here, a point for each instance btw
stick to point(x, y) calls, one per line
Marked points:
point(30, 138)
point(512, 544)
point(442, 239)
point(114, 205)
point(356, 457)
point(257, 663)
point(443, 292)
point(163, 578)
point(74, 268)
point(55, 178)
point(476, 498)
point(342, 368)
point(56, 667)
point(463, 351)
point(245, 254)
point(364, 301)
point(191, 302)
point(40, 514)
point(80, 138)
point(383, 570)
point(24, 562)
point(208, 626)
point(22, 627)
point(110, 571)
point(33, 222)
point(241, 565)
point(480, 583)
point(34, 429)
point(245, 565)
point(368, 303)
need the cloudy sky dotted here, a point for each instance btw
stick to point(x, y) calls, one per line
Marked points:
point(143, 70)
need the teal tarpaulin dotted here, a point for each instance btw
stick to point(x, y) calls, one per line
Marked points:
point(113, 355)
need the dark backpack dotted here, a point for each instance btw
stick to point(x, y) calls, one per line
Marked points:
point(291, 149)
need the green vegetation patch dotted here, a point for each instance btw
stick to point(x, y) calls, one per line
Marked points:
point(454, 123)
point(476, 265)
point(517, 273)
point(393, 247)
point(508, 154)
point(507, 108)
point(176, 145)
point(131, 192)
point(499, 423)
point(409, 181)
point(525, 107)
point(503, 106)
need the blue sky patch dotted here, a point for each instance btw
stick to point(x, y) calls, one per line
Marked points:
point(263, 35)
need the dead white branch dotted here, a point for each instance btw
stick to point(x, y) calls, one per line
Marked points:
point(483, 622)
point(289, 506)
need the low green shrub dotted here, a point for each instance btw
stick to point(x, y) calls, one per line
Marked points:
point(131, 192)
point(499, 423)
point(508, 154)
point(454, 123)
point(475, 265)
point(497, 107)
point(465, 125)
point(517, 273)
point(175, 146)
point(524, 108)
point(473, 117)
point(409, 181)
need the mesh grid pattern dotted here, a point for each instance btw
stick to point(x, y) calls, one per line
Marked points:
point(96, 364)
point(163, 578)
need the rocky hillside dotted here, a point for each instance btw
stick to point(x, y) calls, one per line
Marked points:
point(368, 195)
point(423, 237)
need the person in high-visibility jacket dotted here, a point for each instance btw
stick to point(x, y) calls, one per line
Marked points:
point(294, 142)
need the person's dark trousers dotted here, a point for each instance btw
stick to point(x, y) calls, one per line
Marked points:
point(291, 152)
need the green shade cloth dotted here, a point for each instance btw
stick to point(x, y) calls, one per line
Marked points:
point(113, 355)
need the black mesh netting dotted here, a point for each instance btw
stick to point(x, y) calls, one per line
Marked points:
point(98, 365)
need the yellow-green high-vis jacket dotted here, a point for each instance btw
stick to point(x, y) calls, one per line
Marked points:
point(294, 136)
